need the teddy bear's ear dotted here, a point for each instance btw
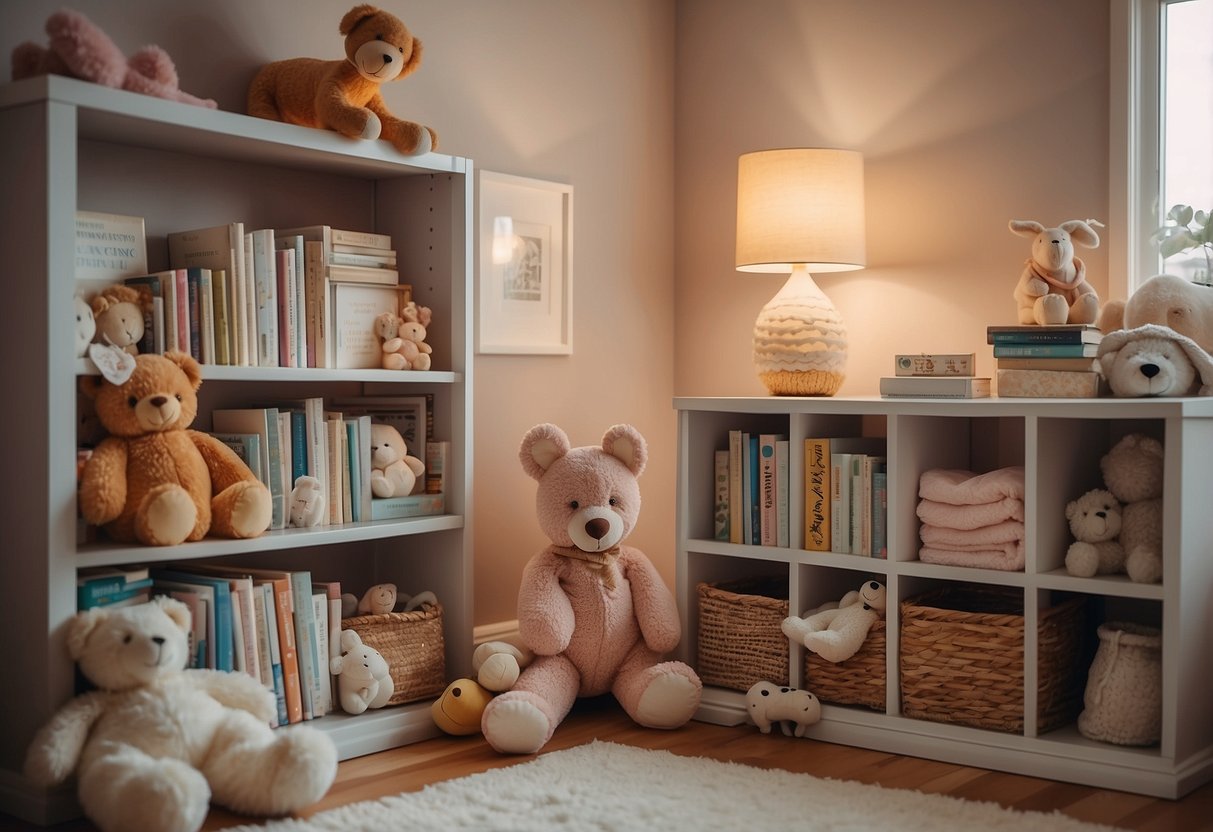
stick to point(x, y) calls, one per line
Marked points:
point(1081, 233)
point(355, 16)
point(542, 445)
point(188, 366)
point(1026, 228)
point(174, 609)
point(90, 386)
point(80, 628)
point(626, 444)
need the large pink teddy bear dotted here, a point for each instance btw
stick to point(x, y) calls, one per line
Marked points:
point(595, 612)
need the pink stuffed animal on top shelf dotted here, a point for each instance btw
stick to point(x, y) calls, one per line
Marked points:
point(79, 49)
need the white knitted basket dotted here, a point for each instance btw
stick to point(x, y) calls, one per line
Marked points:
point(1123, 699)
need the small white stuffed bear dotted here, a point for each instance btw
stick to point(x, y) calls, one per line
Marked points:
point(363, 677)
point(307, 502)
point(1095, 523)
point(1053, 287)
point(768, 703)
point(154, 744)
point(393, 471)
point(837, 632)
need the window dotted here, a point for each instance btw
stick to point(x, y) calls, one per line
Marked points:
point(1161, 118)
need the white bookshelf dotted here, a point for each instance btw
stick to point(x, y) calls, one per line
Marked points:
point(1059, 443)
point(71, 145)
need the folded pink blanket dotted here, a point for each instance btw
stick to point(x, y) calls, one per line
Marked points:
point(964, 488)
point(970, 517)
point(1009, 557)
point(941, 537)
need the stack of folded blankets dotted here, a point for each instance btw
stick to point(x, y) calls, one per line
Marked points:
point(972, 519)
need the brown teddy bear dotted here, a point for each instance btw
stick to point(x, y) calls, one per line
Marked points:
point(152, 480)
point(344, 95)
point(118, 313)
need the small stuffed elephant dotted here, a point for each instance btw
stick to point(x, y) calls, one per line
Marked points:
point(363, 677)
point(1053, 287)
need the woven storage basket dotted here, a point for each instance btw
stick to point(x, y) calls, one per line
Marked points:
point(740, 642)
point(860, 680)
point(412, 645)
point(962, 659)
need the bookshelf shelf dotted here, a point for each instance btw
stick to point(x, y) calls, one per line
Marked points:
point(1059, 443)
point(69, 145)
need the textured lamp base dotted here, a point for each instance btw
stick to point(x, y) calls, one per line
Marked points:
point(800, 342)
point(806, 383)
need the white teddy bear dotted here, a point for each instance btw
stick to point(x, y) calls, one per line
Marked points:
point(1154, 360)
point(1133, 472)
point(394, 473)
point(1095, 520)
point(836, 632)
point(154, 744)
point(768, 703)
point(307, 502)
point(363, 677)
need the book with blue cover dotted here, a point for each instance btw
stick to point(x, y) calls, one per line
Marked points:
point(224, 642)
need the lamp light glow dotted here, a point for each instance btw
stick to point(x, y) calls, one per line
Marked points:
point(800, 210)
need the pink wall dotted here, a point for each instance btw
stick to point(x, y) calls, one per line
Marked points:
point(968, 115)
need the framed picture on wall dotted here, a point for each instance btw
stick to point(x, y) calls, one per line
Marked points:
point(526, 265)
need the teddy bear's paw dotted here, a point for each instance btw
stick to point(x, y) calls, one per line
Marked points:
point(306, 766)
point(1082, 559)
point(1144, 566)
point(668, 702)
point(251, 509)
point(373, 126)
point(1085, 310)
point(425, 142)
point(795, 628)
point(1051, 309)
point(167, 517)
point(515, 726)
point(129, 790)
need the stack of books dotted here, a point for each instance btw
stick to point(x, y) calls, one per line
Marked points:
point(1056, 361)
point(935, 376)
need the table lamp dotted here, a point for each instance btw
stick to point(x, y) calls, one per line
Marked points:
point(800, 210)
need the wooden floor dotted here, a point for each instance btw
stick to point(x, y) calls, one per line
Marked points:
point(412, 767)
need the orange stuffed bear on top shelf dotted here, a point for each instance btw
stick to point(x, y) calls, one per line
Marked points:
point(344, 95)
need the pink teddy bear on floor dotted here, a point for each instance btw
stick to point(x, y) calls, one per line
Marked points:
point(79, 49)
point(595, 612)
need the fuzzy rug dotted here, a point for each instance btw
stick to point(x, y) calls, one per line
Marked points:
point(606, 786)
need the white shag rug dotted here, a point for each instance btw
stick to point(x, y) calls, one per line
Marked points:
point(606, 786)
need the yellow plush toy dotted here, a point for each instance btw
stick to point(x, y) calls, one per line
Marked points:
point(344, 95)
point(152, 480)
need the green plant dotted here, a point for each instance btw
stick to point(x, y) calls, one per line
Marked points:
point(1184, 230)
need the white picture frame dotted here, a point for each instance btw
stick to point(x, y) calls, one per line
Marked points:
point(525, 288)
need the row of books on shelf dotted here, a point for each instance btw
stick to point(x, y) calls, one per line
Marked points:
point(1050, 361)
point(280, 627)
point(288, 297)
point(332, 443)
point(845, 493)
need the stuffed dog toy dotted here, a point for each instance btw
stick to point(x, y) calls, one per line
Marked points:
point(1154, 360)
point(344, 95)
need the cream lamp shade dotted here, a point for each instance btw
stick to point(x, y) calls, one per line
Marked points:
point(799, 211)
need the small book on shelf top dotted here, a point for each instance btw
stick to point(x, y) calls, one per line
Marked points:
point(935, 364)
point(1044, 334)
point(935, 387)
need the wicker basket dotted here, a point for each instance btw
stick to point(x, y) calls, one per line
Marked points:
point(740, 641)
point(412, 645)
point(860, 680)
point(962, 659)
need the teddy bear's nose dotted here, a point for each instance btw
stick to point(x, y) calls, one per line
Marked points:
point(387, 59)
point(159, 401)
point(1149, 370)
point(1101, 514)
point(158, 639)
point(597, 528)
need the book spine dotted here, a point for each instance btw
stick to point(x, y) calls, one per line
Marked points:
point(269, 601)
point(355, 467)
point(1046, 337)
point(768, 521)
point(223, 335)
point(298, 445)
point(880, 513)
point(386, 260)
point(266, 284)
point(181, 289)
point(284, 609)
point(817, 511)
point(322, 693)
point(414, 505)
point(278, 489)
point(318, 305)
point(265, 672)
point(361, 238)
point(286, 302)
point(935, 364)
point(437, 457)
point(721, 495)
point(305, 645)
point(206, 316)
point(856, 508)
point(736, 494)
point(782, 497)
point(840, 503)
point(1044, 350)
point(109, 599)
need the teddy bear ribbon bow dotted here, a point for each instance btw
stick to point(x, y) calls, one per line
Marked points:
point(603, 561)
